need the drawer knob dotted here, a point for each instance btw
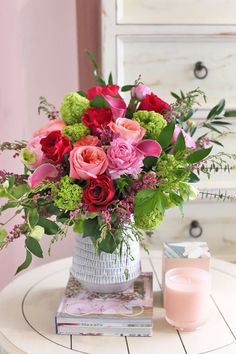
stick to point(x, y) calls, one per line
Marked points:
point(200, 70)
point(195, 229)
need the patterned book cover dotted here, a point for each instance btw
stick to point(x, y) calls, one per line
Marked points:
point(125, 313)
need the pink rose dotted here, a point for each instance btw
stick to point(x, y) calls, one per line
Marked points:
point(189, 142)
point(34, 147)
point(123, 158)
point(87, 162)
point(87, 140)
point(140, 91)
point(43, 173)
point(128, 129)
point(52, 125)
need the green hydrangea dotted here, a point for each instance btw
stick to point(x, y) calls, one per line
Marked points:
point(171, 172)
point(72, 107)
point(149, 221)
point(75, 132)
point(66, 194)
point(153, 122)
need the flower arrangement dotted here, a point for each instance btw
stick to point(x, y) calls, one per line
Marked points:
point(103, 166)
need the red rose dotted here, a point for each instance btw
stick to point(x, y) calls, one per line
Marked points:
point(110, 90)
point(153, 103)
point(55, 146)
point(99, 193)
point(95, 118)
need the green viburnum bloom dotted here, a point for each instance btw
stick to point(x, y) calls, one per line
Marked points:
point(73, 106)
point(27, 156)
point(75, 132)
point(149, 221)
point(66, 194)
point(171, 172)
point(153, 122)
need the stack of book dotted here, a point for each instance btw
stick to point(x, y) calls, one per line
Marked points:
point(128, 313)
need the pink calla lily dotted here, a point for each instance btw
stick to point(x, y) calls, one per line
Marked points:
point(41, 174)
point(117, 105)
point(149, 147)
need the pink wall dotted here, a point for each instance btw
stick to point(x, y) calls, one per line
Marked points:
point(38, 57)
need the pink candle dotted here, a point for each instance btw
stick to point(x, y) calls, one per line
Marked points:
point(187, 294)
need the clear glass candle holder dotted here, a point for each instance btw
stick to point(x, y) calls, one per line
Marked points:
point(187, 297)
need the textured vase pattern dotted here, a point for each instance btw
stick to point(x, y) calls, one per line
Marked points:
point(105, 272)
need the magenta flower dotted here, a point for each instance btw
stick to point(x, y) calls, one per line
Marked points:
point(123, 159)
point(117, 105)
point(189, 142)
point(149, 147)
point(43, 173)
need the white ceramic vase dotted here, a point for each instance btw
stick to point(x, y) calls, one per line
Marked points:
point(105, 273)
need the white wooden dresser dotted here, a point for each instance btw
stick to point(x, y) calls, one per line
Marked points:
point(163, 40)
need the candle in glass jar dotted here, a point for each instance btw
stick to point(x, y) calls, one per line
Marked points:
point(187, 295)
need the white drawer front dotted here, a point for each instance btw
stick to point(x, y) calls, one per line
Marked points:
point(167, 64)
point(176, 11)
point(216, 219)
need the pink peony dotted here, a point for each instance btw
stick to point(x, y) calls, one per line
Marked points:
point(128, 129)
point(189, 142)
point(87, 162)
point(43, 173)
point(87, 140)
point(123, 158)
point(34, 146)
point(140, 91)
point(52, 125)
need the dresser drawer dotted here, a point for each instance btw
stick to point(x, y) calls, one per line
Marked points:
point(167, 64)
point(175, 12)
point(218, 223)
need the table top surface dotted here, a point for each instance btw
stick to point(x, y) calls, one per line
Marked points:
point(28, 306)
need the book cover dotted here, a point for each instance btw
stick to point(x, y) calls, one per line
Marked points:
point(125, 313)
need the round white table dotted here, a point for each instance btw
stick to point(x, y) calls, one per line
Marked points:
point(28, 306)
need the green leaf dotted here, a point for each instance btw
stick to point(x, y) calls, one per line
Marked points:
point(18, 191)
point(11, 181)
point(220, 122)
point(209, 126)
point(217, 142)
point(230, 113)
point(127, 88)
point(165, 137)
point(149, 162)
point(173, 94)
point(100, 81)
point(79, 226)
point(110, 79)
point(180, 144)
point(3, 234)
point(26, 263)
point(198, 155)
point(8, 205)
point(92, 59)
point(108, 243)
point(81, 93)
point(91, 228)
point(176, 199)
point(216, 110)
point(33, 246)
point(99, 102)
point(193, 178)
point(148, 199)
point(33, 217)
point(50, 227)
